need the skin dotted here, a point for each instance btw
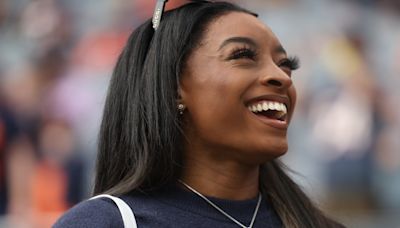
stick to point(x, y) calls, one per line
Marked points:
point(226, 143)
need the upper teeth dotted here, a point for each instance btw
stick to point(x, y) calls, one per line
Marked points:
point(268, 105)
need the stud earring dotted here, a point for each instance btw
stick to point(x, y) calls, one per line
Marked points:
point(181, 108)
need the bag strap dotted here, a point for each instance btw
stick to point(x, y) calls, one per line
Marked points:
point(126, 212)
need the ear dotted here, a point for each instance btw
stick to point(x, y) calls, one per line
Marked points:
point(182, 93)
point(179, 99)
point(183, 88)
point(180, 104)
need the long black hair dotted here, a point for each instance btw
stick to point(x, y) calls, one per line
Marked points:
point(140, 142)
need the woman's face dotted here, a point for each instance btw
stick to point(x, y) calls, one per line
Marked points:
point(238, 91)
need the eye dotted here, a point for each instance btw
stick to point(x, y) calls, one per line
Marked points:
point(243, 53)
point(291, 63)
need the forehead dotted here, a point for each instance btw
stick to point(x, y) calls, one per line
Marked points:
point(241, 25)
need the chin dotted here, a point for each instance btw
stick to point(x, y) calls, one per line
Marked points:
point(275, 150)
point(265, 154)
point(280, 151)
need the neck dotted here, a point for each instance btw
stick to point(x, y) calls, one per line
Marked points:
point(223, 179)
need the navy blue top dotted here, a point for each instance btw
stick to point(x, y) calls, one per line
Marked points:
point(171, 207)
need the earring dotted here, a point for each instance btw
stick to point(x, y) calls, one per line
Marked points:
point(181, 108)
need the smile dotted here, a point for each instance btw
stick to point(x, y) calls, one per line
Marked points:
point(270, 109)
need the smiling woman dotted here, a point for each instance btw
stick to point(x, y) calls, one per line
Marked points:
point(195, 119)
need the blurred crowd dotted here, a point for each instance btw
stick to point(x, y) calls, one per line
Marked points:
point(57, 57)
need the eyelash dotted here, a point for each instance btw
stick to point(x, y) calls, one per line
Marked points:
point(244, 52)
point(292, 63)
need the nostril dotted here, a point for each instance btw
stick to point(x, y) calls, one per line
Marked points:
point(274, 82)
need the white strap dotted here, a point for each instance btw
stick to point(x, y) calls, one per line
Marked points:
point(126, 212)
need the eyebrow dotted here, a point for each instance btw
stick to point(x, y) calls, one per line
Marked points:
point(238, 39)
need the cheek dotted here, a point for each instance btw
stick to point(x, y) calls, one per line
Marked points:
point(211, 87)
point(214, 104)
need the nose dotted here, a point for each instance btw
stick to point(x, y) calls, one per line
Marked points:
point(277, 79)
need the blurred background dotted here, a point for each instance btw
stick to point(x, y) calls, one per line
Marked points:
point(57, 57)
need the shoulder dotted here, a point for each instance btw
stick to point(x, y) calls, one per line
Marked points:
point(100, 212)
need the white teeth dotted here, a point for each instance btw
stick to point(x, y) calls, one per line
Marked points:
point(259, 107)
point(268, 105)
point(265, 106)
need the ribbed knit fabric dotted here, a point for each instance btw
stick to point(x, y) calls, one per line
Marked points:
point(170, 207)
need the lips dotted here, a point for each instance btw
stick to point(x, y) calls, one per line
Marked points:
point(271, 110)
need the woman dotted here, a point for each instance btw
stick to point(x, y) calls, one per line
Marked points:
point(196, 115)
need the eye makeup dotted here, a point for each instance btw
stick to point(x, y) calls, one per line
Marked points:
point(246, 50)
point(243, 53)
point(292, 63)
